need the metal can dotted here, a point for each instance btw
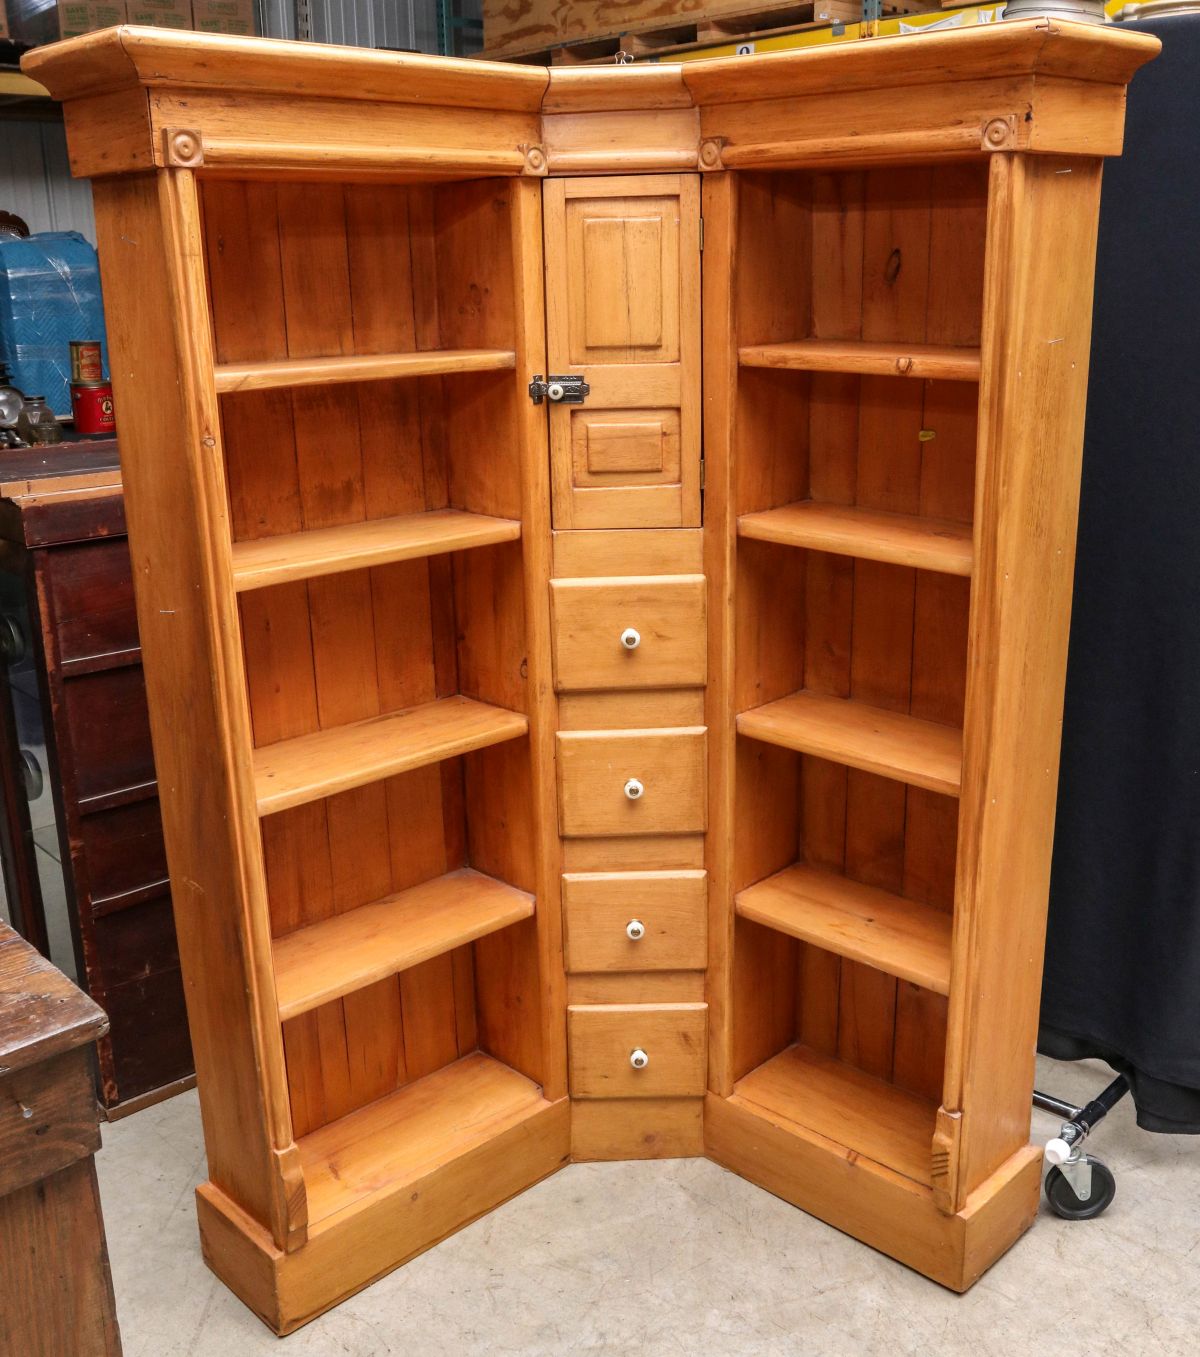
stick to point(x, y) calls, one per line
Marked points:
point(85, 361)
point(92, 406)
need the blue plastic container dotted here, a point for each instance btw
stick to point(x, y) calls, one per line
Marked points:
point(49, 295)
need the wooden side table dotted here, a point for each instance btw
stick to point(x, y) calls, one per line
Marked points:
point(54, 1274)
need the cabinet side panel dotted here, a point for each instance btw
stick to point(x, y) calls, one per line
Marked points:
point(1038, 306)
point(720, 206)
point(531, 436)
point(175, 502)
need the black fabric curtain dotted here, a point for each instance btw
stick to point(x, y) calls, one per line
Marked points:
point(1122, 979)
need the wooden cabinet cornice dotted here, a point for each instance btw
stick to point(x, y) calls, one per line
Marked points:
point(604, 544)
point(137, 98)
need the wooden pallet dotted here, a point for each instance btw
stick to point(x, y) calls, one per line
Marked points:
point(687, 33)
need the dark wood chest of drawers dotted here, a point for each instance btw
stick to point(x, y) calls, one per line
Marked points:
point(73, 666)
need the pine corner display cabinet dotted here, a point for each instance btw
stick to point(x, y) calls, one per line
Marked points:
point(603, 543)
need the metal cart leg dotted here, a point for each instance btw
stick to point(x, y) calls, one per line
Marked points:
point(1078, 1186)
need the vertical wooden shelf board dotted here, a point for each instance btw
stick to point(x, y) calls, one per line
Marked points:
point(149, 235)
point(1036, 345)
point(536, 548)
point(720, 211)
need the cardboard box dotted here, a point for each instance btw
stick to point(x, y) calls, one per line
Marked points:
point(85, 16)
point(224, 16)
point(38, 21)
point(160, 13)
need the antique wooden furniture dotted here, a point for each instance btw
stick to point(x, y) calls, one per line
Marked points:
point(524, 802)
point(72, 682)
point(54, 1275)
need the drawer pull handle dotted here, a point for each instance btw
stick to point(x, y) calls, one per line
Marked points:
point(631, 638)
point(635, 930)
point(639, 1059)
point(634, 789)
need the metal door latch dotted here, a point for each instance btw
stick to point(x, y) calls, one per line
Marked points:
point(566, 390)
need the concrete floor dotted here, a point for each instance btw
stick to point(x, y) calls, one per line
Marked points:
point(681, 1258)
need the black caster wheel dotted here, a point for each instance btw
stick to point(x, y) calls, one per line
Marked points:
point(1063, 1201)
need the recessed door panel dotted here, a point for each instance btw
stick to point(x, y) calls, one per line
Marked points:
point(623, 311)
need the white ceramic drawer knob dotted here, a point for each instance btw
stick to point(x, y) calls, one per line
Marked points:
point(634, 789)
point(635, 930)
point(631, 638)
point(639, 1059)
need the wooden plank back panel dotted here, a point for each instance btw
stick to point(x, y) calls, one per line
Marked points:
point(333, 270)
point(312, 659)
point(894, 255)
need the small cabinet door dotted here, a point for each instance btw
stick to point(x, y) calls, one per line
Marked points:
point(623, 311)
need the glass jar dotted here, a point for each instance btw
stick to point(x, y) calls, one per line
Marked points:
point(36, 423)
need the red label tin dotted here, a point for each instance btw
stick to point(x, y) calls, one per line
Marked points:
point(85, 361)
point(92, 406)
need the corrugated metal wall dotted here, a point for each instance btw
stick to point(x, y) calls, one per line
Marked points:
point(410, 25)
point(35, 182)
point(406, 24)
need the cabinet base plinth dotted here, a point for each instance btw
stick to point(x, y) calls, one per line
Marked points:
point(637, 1128)
point(881, 1208)
point(351, 1249)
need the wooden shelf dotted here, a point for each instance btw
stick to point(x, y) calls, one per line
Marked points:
point(310, 767)
point(359, 368)
point(412, 1132)
point(855, 355)
point(902, 937)
point(867, 1115)
point(339, 955)
point(921, 753)
point(899, 539)
point(264, 561)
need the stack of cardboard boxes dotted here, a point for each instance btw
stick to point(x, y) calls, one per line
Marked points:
point(39, 21)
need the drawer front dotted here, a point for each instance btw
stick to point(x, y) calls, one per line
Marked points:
point(635, 921)
point(91, 589)
point(620, 782)
point(108, 728)
point(638, 1050)
point(47, 1119)
point(644, 632)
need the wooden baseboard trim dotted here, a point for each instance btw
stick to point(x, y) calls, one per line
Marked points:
point(151, 1099)
point(881, 1208)
point(637, 1128)
point(356, 1247)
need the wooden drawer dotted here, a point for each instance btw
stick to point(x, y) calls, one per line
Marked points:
point(593, 624)
point(598, 908)
point(47, 1118)
point(103, 732)
point(596, 768)
point(91, 597)
point(602, 1040)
